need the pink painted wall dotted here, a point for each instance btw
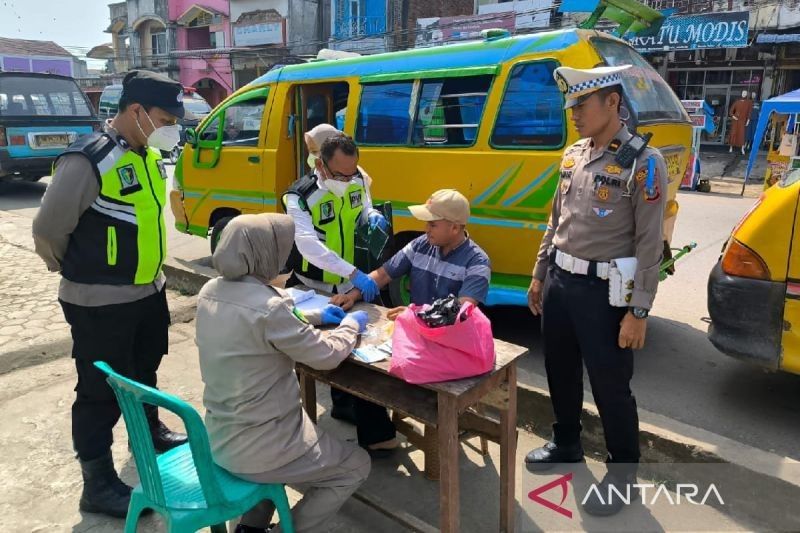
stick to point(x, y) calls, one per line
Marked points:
point(179, 7)
point(194, 69)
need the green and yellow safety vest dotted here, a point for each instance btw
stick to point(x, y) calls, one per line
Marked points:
point(335, 220)
point(121, 238)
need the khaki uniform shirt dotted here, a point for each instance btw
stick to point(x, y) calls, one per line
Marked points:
point(599, 214)
point(249, 339)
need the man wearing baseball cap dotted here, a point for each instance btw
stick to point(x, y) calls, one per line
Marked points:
point(441, 262)
point(101, 225)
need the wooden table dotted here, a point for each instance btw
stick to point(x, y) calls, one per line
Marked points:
point(444, 409)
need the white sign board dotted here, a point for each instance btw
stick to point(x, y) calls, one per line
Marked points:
point(255, 34)
point(529, 13)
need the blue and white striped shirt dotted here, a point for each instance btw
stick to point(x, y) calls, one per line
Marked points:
point(464, 272)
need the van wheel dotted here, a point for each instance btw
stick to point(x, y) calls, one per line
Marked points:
point(216, 232)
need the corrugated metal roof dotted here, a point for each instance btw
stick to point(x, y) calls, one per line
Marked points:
point(25, 47)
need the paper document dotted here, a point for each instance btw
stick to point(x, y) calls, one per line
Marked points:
point(373, 354)
point(307, 300)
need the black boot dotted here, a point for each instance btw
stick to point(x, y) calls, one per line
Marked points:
point(606, 501)
point(103, 490)
point(550, 454)
point(164, 439)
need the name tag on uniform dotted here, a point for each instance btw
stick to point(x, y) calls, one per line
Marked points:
point(355, 199)
point(162, 169)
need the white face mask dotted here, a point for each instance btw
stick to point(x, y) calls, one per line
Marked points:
point(164, 138)
point(337, 187)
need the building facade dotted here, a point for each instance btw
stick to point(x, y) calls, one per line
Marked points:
point(24, 55)
point(143, 37)
point(716, 50)
point(203, 46)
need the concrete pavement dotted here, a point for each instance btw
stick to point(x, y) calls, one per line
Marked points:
point(694, 401)
point(42, 478)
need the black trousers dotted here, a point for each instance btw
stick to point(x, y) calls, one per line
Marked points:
point(132, 338)
point(373, 424)
point(580, 327)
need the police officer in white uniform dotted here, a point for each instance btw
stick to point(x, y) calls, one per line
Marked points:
point(609, 205)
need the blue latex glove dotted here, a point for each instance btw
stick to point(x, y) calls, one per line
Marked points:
point(362, 318)
point(332, 314)
point(376, 220)
point(367, 286)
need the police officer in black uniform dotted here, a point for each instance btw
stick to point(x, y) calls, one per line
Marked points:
point(606, 223)
point(101, 225)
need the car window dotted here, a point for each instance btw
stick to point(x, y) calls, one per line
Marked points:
point(531, 114)
point(790, 178)
point(649, 96)
point(211, 130)
point(196, 106)
point(39, 96)
point(449, 111)
point(384, 116)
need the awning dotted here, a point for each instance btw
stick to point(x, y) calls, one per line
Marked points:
point(777, 38)
point(787, 104)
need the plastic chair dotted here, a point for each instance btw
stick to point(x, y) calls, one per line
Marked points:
point(184, 485)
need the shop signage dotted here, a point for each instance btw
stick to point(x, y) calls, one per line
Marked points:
point(436, 30)
point(259, 27)
point(689, 32)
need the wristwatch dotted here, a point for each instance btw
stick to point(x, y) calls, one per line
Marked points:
point(639, 312)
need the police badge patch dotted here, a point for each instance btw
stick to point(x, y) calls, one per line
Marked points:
point(326, 213)
point(355, 199)
point(602, 212)
point(128, 180)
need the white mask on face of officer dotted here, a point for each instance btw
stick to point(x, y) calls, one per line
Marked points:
point(339, 188)
point(164, 138)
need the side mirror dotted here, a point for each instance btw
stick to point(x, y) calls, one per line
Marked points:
point(191, 136)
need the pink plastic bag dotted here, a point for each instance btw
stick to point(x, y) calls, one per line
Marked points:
point(421, 354)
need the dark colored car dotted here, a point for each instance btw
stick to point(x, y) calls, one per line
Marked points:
point(40, 115)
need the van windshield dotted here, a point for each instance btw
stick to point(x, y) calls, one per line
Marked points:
point(39, 96)
point(647, 92)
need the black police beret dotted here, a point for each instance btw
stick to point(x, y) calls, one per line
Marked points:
point(153, 89)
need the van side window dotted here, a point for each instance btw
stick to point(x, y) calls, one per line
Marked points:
point(531, 114)
point(384, 116)
point(648, 95)
point(450, 110)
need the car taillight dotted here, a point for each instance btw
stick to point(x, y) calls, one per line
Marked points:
point(3, 139)
point(17, 140)
point(739, 260)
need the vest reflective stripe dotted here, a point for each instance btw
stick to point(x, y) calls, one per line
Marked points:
point(335, 220)
point(121, 239)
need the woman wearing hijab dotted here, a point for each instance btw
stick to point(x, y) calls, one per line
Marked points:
point(250, 336)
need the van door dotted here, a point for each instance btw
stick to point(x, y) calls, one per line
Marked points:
point(223, 171)
point(315, 104)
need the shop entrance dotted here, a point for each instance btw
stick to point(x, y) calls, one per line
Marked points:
point(719, 98)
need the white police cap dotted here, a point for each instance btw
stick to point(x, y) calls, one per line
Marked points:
point(578, 83)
